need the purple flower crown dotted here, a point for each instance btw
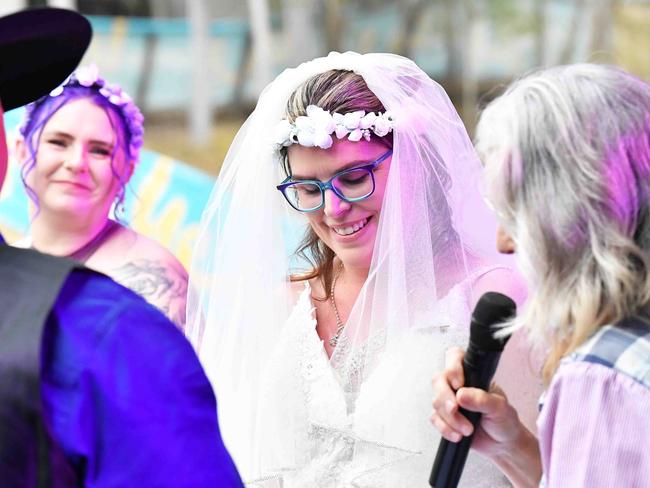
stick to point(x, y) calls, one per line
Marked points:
point(88, 76)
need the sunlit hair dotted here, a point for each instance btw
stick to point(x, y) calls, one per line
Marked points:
point(42, 111)
point(567, 157)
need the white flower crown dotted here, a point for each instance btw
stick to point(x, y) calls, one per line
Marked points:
point(316, 128)
point(88, 76)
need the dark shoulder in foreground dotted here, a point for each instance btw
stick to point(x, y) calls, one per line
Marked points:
point(95, 299)
point(92, 311)
point(110, 337)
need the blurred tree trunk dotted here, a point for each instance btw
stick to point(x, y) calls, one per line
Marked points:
point(200, 116)
point(238, 101)
point(454, 37)
point(461, 41)
point(260, 22)
point(413, 10)
point(470, 85)
point(579, 12)
point(146, 70)
point(334, 28)
point(601, 26)
point(539, 26)
point(146, 67)
point(69, 4)
point(299, 25)
point(10, 6)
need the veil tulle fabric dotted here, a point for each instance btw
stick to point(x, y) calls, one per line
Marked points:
point(434, 236)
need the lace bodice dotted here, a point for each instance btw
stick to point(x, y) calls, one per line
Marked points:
point(377, 436)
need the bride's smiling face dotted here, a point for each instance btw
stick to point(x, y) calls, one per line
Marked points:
point(347, 228)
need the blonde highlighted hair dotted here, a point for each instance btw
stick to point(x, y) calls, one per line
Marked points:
point(567, 157)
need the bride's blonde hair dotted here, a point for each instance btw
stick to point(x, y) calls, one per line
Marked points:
point(344, 91)
point(567, 157)
point(336, 91)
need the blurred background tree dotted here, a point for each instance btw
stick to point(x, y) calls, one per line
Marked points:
point(196, 67)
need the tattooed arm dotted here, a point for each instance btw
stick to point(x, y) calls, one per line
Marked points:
point(162, 282)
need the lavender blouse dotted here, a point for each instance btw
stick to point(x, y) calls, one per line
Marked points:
point(594, 426)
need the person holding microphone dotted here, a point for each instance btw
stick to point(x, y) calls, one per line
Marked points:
point(566, 152)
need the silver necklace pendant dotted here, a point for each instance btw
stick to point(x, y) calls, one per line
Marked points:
point(339, 325)
point(335, 338)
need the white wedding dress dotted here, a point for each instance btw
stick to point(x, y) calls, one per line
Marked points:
point(315, 434)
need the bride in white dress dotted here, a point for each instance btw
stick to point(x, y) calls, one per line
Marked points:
point(322, 359)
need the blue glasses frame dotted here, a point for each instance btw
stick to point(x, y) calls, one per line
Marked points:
point(327, 185)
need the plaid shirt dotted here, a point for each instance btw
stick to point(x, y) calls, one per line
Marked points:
point(624, 348)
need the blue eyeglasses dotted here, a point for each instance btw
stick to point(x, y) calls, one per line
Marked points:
point(350, 185)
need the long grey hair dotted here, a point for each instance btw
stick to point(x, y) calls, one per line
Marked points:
point(567, 156)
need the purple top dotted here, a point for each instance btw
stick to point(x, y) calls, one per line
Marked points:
point(594, 428)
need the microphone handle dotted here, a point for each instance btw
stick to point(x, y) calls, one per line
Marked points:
point(451, 456)
point(479, 367)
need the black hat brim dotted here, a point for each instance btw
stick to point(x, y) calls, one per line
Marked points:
point(39, 48)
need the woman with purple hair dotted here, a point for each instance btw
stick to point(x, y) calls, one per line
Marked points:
point(567, 160)
point(78, 147)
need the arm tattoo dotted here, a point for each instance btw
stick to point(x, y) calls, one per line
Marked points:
point(161, 284)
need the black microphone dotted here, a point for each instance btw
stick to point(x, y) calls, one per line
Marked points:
point(479, 364)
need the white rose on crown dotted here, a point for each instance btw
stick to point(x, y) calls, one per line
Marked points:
point(315, 129)
point(382, 127)
point(87, 75)
point(283, 133)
